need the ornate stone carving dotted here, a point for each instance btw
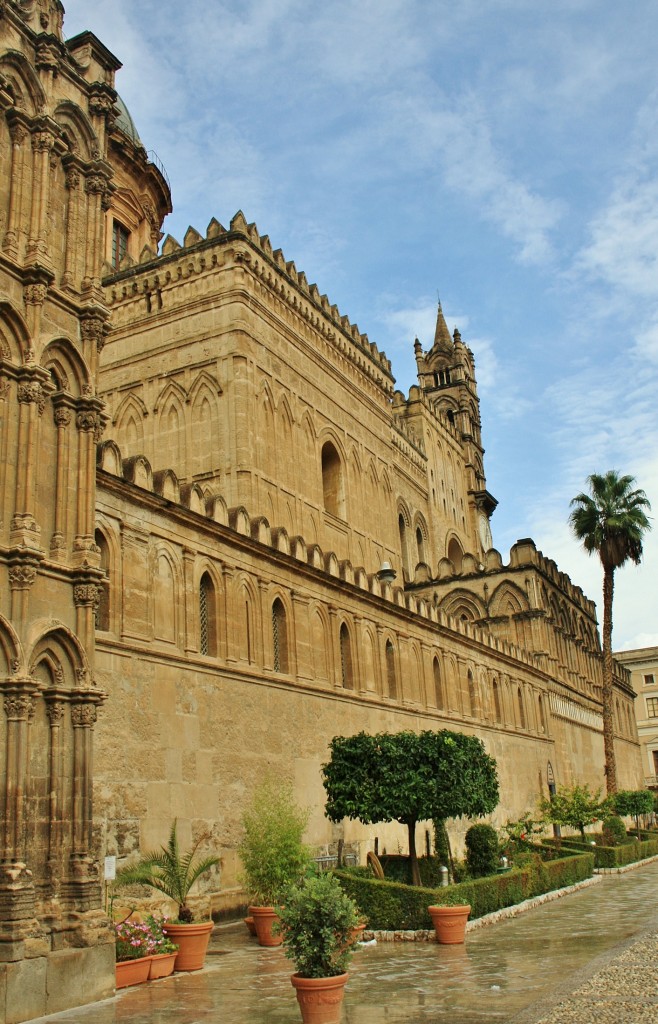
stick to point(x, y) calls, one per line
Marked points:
point(19, 707)
point(96, 184)
point(83, 715)
point(42, 142)
point(88, 420)
point(32, 392)
point(72, 179)
point(4, 388)
point(92, 329)
point(18, 134)
point(86, 594)
point(35, 294)
point(21, 577)
point(62, 416)
point(55, 711)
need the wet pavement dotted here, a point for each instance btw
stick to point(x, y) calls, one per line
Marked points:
point(597, 948)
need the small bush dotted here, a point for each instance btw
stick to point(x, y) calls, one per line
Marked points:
point(482, 850)
point(613, 830)
point(442, 851)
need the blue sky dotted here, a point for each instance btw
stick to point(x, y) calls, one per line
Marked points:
point(500, 153)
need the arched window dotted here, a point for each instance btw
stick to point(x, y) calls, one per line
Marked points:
point(103, 606)
point(333, 489)
point(347, 675)
point(496, 698)
point(420, 544)
point(542, 713)
point(519, 695)
point(391, 678)
point(404, 550)
point(438, 684)
point(455, 554)
point(207, 617)
point(472, 700)
point(280, 637)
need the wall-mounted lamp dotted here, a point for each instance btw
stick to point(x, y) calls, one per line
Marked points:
point(387, 573)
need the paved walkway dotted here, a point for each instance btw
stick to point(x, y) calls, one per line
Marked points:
point(589, 958)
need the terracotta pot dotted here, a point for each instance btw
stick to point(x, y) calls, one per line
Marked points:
point(132, 972)
point(357, 933)
point(264, 918)
point(192, 941)
point(162, 965)
point(251, 927)
point(320, 999)
point(450, 923)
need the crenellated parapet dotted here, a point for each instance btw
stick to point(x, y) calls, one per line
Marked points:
point(183, 272)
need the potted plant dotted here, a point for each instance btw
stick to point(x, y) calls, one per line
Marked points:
point(449, 919)
point(317, 925)
point(133, 947)
point(173, 874)
point(163, 957)
point(273, 854)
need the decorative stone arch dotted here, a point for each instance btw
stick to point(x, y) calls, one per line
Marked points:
point(28, 93)
point(265, 419)
point(369, 653)
point(53, 641)
point(282, 630)
point(391, 655)
point(166, 580)
point(11, 650)
point(192, 495)
point(248, 616)
point(438, 683)
point(320, 632)
point(497, 701)
point(455, 552)
point(508, 599)
point(14, 335)
point(416, 688)
point(165, 483)
point(285, 442)
point(77, 129)
point(210, 608)
point(347, 674)
point(172, 423)
point(63, 360)
point(462, 604)
point(129, 422)
point(204, 422)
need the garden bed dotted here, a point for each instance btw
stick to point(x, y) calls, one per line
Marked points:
point(609, 856)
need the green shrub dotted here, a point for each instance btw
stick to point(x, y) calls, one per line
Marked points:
point(611, 856)
point(272, 850)
point(482, 850)
point(317, 924)
point(397, 868)
point(613, 830)
point(392, 906)
point(442, 851)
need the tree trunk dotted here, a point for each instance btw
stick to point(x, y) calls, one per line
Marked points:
point(608, 695)
point(413, 856)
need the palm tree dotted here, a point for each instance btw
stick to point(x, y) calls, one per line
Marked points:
point(610, 521)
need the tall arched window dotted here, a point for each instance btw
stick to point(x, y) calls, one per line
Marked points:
point(207, 617)
point(280, 637)
point(103, 606)
point(542, 713)
point(496, 699)
point(391, 677)
point(404, 550)
point(346, 668)
point(438, 684)
point(455, 554)
point(333, 488)
point(472, 700)
point(519, 696)
point(420, 545)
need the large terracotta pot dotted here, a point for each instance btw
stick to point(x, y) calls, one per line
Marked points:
point(450, 923)
point(264, 919)
point(320, 999)
point(192, 941)
point(162, 965)
point(132, 972)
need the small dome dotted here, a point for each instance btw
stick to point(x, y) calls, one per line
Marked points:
point(125, 123)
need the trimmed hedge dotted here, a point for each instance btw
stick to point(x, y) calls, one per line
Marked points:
point(393, 906)
point(398, 869)
point(610, 856)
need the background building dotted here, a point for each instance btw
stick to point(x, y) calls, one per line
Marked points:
point(206, 474)
point(643, 666)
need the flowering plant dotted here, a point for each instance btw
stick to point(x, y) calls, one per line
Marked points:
point(133, 940)
point(162, 942)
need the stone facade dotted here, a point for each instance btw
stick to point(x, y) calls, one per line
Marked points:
point(224, 536)
point(643, 666)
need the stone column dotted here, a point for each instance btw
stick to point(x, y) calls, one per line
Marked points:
point(18, 134)
point(84, 877)
point(42, 143)
point(71, 250)
point(190, 605)
point(55, 709)
point(96, 187)
point(31, 398)
point(89, 425)
point(85, 598)
point(62, 417)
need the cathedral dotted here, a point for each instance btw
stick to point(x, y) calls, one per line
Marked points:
point(225, 537)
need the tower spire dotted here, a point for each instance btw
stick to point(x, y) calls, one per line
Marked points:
point(442, 339)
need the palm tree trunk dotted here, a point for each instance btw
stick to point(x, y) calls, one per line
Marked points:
point(608, 698)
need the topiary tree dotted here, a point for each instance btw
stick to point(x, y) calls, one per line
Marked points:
point(576, 807)
point(482, 850)
point(633, 802)
point(614, 830)
point(409, 777)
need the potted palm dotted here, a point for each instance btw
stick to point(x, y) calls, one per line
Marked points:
point(174, 873)
point(318, 925)
point(273, 854)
